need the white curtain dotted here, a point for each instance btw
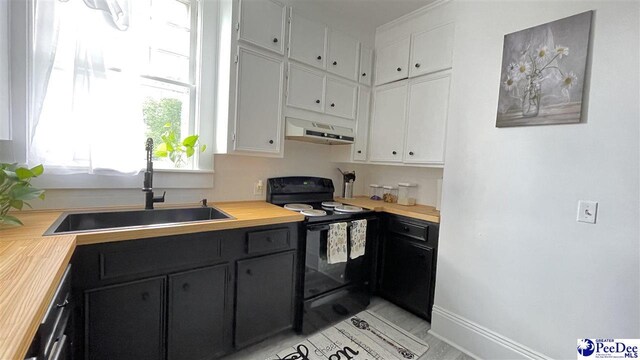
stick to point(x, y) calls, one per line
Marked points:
point(86, 115)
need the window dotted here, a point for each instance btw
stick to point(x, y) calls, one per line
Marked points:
point(106, 78)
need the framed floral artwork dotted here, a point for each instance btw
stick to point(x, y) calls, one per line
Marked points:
point(544, 69)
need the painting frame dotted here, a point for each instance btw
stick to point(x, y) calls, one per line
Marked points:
point(545, 73)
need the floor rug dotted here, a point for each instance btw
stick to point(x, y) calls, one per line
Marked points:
point(363, 336)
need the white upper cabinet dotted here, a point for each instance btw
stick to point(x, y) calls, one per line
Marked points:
point(431, 50)
point(258, 110)
point(341, 99)
point(362, 126)
point(366, 61)
point(262, 23)
point(308, 41)
point(388, 123)
point(5, 125)
point(427, 118)
point(342, 55)
point(305, 88)
point(392, 61)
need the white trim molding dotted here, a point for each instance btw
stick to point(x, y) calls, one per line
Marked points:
point(411, 15)
point(476, 340)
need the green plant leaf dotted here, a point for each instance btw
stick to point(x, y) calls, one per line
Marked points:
point(10, 220)
point(24, 173)
point(24, 192)
point(190, 141)
point(3, 176)
point(17, 204)
point(190, 151)
point(37, 170)
point(41, 197)
point(203, 148)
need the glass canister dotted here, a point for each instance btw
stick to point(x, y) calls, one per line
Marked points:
point(407, 194)
point(375, 192)
point(390, 194)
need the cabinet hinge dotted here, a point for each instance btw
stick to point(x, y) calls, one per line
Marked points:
point(238, 26)
point(233, 137)
point(235, 59)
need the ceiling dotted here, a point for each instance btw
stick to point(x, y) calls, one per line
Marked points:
point(371, 12)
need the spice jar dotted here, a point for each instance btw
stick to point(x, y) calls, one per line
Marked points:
point(375, 192)
point(407, 194)
point(390, 194)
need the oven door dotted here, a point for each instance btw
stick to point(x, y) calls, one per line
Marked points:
point(320, 277)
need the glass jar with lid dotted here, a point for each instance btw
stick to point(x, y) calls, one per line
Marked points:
point(390, 194)
point(375, 192)
point(407, 194)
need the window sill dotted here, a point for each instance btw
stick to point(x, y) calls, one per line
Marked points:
point(162, 179)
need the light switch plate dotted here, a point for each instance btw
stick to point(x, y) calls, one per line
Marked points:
point(587, 211)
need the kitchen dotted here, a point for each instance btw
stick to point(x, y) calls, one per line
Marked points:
point(514, 274)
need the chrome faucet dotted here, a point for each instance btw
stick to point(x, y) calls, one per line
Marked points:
point(147, 186)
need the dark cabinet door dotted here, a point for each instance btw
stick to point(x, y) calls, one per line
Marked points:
point(265, 293)
point(407, 274)
point(198, 303)
point(126, 321)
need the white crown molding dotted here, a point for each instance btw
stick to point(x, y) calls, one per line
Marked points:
point(481, 335)
point(413, 14)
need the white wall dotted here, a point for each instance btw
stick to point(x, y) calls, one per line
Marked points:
point(513, 262)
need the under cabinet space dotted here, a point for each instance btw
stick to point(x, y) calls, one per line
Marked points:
point(307, 41)
point(262, 23)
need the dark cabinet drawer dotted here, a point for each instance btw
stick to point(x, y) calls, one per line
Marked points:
point(267, 240)
point(55, 319)
point(419, 232)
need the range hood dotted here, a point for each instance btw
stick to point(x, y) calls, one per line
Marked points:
point(312, 131)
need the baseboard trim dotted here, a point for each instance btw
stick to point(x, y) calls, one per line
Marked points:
point(476, 340)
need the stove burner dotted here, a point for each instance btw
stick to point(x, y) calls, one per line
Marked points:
point(313, 212)
point(348, 209)
point(330, 204)
point(298, 207)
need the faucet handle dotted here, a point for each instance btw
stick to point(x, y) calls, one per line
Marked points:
point(203, 202)
point(159, 198)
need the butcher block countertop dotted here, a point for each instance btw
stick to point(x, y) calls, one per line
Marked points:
point(32, 265)
point(422, 212)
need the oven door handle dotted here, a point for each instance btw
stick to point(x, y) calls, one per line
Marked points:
point(318, 228)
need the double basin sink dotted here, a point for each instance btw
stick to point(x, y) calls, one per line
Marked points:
point(73, 222)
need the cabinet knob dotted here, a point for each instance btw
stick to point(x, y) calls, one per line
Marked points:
point(275, 40)
point(417, 65)
point(333, 105)
point(406, 228)
point(185, 286)
point(364, 74)
point(411, 153)
point(393, 152)
point(249, 272)
point(145, 296)
point(270, 141)
point(359, 151)
point(317, 101)
point(399, 69)
point(319, 57)
point(335, 63)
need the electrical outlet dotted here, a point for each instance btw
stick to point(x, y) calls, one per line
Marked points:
point(258, 188)
point(587, 211)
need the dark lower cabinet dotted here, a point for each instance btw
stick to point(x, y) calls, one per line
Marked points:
point(126, 321)
point(265, 297)
point(197, 319)
point(408, 270)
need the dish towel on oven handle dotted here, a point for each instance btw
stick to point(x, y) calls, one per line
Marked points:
point(337, 243)
point(358, 238)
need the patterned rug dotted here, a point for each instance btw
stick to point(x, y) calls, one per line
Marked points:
point(363, 336)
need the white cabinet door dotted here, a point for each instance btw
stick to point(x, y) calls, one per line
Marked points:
point(366, 60)
point(306, 88)
point(259, 89)
point(386, 142)
point(431, 50)
point(427, 118)
point(341, 99)
point(362, 127)
point(308, 41)
point(392, 62)
point(262, 23)
point(342, 55)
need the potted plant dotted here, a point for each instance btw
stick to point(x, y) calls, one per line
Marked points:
point(16, 190)
point(177, 151)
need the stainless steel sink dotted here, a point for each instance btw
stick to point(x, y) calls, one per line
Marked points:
point(73, 222)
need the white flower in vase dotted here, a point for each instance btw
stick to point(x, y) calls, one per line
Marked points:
point(561, 51)
point(542, 54)
point(522, 70)
point(509, 83)
point(569, 80)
